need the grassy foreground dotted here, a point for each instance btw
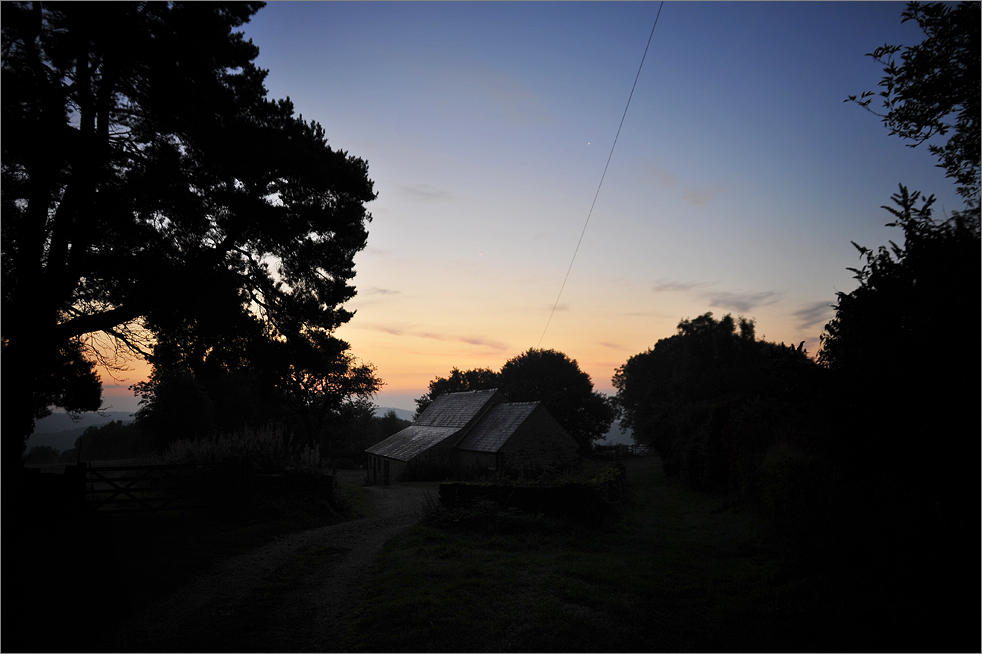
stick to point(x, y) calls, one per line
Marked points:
point(676, 573)
point(118, 564)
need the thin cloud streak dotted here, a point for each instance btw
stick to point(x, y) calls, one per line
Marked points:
point(700, 197)
point(470, 340)
point(497, 94)
point(743, 302)
point(381, 291)
point(693, 196)
point(672, 287)
point(817, 313)
point(425, 193)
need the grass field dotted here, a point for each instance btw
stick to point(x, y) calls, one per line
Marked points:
point(677, 572)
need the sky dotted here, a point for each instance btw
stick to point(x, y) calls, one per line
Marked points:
point(738, 180)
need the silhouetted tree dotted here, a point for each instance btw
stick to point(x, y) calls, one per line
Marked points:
point(711, 399)
point(567, 392)
point(299, 382)
point(357, 427)
point(42, 455)
point(934, 89)
point(476, 379)
point(704, 359)
point(113, 440)
point(149, 185)
point(907, 405)
point(174, 406)
point(319, 377)
point(390, 423)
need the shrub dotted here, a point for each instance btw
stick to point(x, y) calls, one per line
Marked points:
point(483, 516)
point(42, 455)
point(804, 496)
point(113, 440)
point(340, 463)
point(590, 493)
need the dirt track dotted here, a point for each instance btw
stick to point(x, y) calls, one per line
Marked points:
point(290, 595)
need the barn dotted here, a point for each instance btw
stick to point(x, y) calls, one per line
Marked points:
point(474, 429)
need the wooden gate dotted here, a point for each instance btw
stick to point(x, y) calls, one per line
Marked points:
point(158, 487)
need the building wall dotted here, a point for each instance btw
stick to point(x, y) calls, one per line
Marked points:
point(377, 468)
point(478, 460)
point(540, 442)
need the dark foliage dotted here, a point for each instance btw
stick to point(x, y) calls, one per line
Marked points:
point(315, 400)
point(567, 392)
point(906, 410)
point(114, 440)
point(174, 406)
point(934, 89)
point(42, 455)
point(150, 187)
point(355, 429)
point(458, 381)
point(713, 401)
point(592, 495)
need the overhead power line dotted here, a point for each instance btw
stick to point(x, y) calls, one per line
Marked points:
point(597, 194)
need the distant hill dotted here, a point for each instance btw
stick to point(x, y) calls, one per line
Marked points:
point(60, 432)
point(400, 413)
point(615, 437)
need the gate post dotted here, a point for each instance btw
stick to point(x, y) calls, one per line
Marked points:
point(75, 477)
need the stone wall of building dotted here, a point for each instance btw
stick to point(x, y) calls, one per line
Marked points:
point(477, 460)
point(539, 443)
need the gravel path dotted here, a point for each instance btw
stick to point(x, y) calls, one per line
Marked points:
point(290, 595)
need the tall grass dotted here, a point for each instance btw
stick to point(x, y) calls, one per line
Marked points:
point(268, 449)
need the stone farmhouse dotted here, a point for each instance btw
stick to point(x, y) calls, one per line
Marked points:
point(474, 429)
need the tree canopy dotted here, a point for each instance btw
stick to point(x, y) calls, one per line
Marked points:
point(908, 296)
point(882, 344)
point(712, 395)
point(458, 381)
point(934, 89)
point(545, 376)
point(567, 392)
point(153, 193)
point(898, 345)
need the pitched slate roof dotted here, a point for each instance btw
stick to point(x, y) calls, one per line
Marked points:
point(455, 409)
point(412, 440)
point(496, 427)
point(446, 417)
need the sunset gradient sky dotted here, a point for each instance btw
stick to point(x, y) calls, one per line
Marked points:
point(739, 178)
